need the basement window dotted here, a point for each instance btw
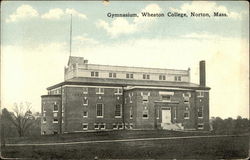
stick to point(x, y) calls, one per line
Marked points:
point(120, 126)
point(102, 126)
point(200, 126)
point(96, 126)
point(115, 126)
point(84, 126)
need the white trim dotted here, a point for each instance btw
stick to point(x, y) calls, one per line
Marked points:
point(82, 86)
point(165, 88)
point(201, 91)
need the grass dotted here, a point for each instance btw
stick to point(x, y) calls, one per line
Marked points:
point(198, 148)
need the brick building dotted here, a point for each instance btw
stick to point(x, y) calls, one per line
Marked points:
point(103, 97)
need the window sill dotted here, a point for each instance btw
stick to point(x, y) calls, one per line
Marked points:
point(55, 111)
point(99, 117)
point(55, 122)
point(118, 116)
point(118, 93)
point(200, 117)
point(186, 118)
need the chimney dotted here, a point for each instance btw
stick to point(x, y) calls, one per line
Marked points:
point(202, 73)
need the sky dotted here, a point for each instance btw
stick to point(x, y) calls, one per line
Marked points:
point(35, 45)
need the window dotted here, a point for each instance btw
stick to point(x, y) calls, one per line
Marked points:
point(85, 114)
point(94, 74)
point(131, 125)
point(84, 126)
point(131, 113)
point(200, 112)
point(115, 126)
point(145, 114)
point(102, 126)
point(166, 98)
point(177, 78)
point(120, 126)
point(63, 114)
point(129, 75)
point(96, 126)
point(186, 115)
point(145, 97)
point(62, 120)
point(55, 120)
point(158, 113)
point(99, 90)
point(146, 76)
point(44, 120)
point(162, 77)
point(118, 91)
point(99, 110)
point(200, 94)
point(55, 132)
point(118, 111)
point(200, 126)
point(175, 113)
point(55, 107)
point(130, 98)
point(85, 101)
point(85, 90)
point(112, 75)
point(55, 114)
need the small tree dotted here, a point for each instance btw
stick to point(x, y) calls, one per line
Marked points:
point(21, 117)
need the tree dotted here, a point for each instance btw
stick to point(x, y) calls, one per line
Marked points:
point(21, 117)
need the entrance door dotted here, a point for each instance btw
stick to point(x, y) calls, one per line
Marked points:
point(166, 115)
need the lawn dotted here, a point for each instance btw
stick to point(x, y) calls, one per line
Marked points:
point(198, 148)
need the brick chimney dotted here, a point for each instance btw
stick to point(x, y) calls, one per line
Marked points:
point(202, 73)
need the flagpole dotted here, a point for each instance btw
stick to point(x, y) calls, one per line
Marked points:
point(70, 42)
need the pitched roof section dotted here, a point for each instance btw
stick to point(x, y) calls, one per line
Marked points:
point(74, 60)
point(128, 82)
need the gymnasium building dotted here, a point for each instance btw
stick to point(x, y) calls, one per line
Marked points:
point(104, 97)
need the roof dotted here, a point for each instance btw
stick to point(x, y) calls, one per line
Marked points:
point(74, 60)
point(128, 82)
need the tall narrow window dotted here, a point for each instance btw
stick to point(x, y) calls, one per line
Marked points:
point(145, 114)
point(200, 112)
point(186, 114)
point(92, 74)
point(99, 110)
point(118, 111)
point(175, 113)
point(96, 74)
point(131, 113)
point(85, 114)
point(55, 107)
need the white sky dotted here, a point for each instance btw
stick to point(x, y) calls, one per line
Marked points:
point(35, 46)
